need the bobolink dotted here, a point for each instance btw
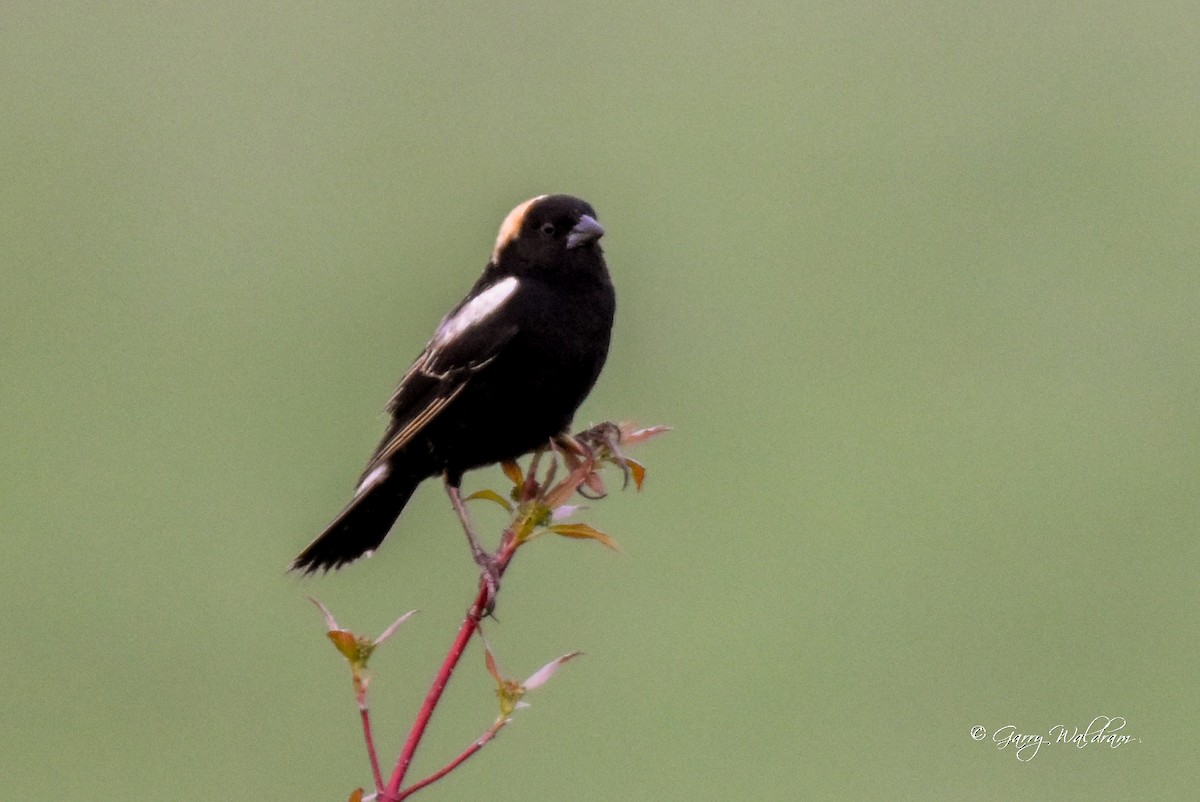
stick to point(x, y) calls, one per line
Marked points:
point(504, 373)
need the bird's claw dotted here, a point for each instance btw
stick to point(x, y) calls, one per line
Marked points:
point(603, 442)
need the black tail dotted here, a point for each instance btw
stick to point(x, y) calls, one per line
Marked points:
point(361, 527)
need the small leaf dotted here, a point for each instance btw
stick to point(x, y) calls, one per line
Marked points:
point(531, 474)
point(570, 458)
point(509, 693)
point(539, 677)
point(638, 471)
point(558, 495)
point(387, 633)
point(565, 511)
point(595, 484)
point(550, 472)
point(570, 445)
point(629, 435)
point(349, 645)
point(330, 624)
point(584, 532)
point(491, 665)
point(513, 471)
point(491, 495)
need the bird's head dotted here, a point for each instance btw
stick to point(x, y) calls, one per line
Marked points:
point(547, 231)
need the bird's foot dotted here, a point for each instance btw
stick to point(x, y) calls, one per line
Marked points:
point(489, 580)
point(602, 442)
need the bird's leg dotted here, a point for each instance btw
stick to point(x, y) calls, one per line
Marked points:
point(486, 562)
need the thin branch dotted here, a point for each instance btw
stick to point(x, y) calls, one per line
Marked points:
point(536, 501)
point(478, 744)
point(469, 627)
point(465, 631)
point(374, 756)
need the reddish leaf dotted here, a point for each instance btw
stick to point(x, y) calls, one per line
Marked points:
point(550, 473)
point(513, 471)
point(637, 471)
point(531, 474)
point(346, 643)
point(595, 484)
point(491, 665)
point(559, 494)
point(570, 458)
point(570, 445)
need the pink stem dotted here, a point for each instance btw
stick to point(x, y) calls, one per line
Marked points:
point(453, 764)
point(465, 631)
point(366, 723)
point(469, 626)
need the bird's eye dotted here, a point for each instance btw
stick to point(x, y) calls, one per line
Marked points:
point(548, 229)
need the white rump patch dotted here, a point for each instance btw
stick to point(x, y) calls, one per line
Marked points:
point(377, 475)
point(476, 310)
point(512, 226)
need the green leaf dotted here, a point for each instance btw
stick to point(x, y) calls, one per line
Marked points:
point(491, 495)
point(352, 647)
point(584, 532)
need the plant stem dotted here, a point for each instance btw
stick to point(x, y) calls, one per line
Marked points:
point(374, 756)
point(478, 744)
point(469, 625)
point(508, 546)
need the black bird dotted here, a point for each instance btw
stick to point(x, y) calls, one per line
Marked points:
point(504, 373)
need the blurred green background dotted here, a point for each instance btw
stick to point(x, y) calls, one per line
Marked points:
point(916, 284)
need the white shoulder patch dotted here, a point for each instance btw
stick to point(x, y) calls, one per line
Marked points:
point(476, 310)
point(512, 226)
point(377, 475)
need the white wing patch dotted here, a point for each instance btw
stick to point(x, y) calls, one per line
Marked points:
point(475, 311)
point(377, 475)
